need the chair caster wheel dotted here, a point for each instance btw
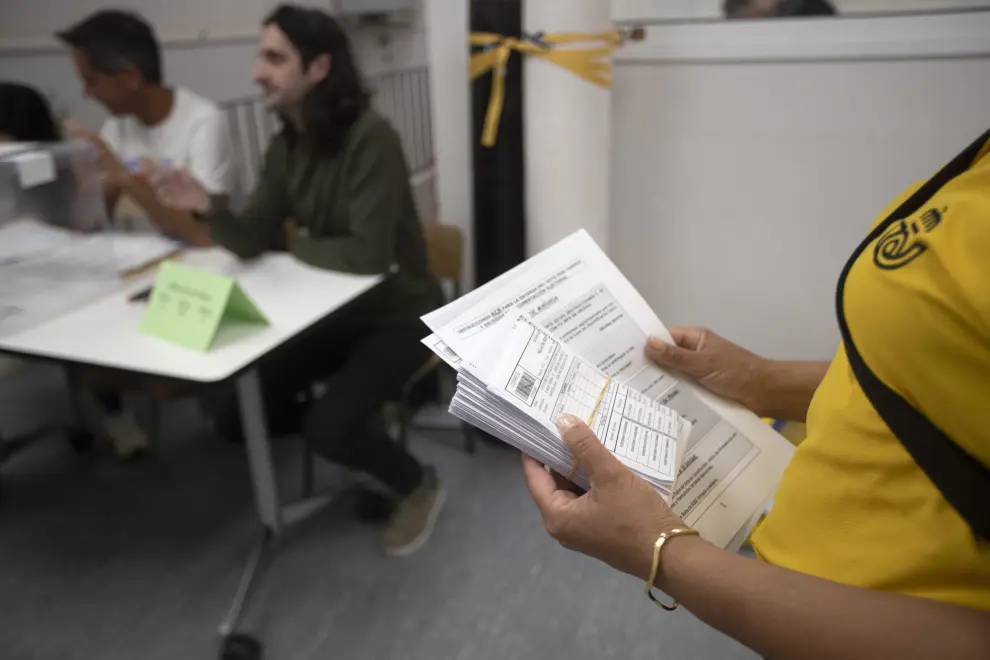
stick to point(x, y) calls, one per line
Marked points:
point(240, 647)
point(81, 441)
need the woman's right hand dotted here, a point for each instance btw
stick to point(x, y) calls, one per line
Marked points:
point(719, 365)
point(617, 521)
point(179, 190)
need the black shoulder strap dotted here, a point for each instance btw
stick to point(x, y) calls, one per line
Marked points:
point(961, 478)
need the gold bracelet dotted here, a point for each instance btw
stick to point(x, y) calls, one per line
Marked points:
point(657, 547)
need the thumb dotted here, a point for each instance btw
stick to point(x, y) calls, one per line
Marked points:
point(671, 355)
point(589, 452)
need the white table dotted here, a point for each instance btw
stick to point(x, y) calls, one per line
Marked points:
point(293, 296)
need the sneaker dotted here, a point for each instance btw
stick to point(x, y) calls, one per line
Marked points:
point(129, 439)
point(415, 517)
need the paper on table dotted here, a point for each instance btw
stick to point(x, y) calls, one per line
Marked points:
point(133, 251)
point(26, 239)
point(46, 270)
point(733, 461)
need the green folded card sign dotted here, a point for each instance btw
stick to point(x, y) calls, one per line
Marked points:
point(188, 306)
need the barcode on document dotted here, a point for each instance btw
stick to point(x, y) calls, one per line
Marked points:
point(524, 388)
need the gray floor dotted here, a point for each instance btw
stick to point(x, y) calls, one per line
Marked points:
point(110, 562)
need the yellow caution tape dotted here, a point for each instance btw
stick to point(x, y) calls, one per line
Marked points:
point(590, 64)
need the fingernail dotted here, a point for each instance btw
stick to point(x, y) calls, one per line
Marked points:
point(566, 422)
point(656, 342)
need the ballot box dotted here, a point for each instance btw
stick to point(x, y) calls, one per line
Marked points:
point(56, 251)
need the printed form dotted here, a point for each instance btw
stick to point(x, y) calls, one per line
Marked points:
point(543, 378)
point(732, 461)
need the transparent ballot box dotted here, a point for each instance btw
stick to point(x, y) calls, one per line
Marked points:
point(56, 251)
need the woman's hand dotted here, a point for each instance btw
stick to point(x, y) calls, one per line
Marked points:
point(719, 365)
point(180, 190)
point(617, 521)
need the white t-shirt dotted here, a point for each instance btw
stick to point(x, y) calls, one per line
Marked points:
point(193, 137)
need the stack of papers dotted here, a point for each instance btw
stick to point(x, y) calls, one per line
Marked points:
point(31, 243)
point(566, 332)
point(535, 379)
point(46, 270)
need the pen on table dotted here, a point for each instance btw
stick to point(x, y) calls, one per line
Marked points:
point(140, 296)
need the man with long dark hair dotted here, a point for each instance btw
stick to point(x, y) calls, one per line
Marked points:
point(338, 171)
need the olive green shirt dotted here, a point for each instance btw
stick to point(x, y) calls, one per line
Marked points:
point(354, 211)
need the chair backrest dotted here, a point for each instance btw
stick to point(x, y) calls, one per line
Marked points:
point(444, 250)
point(251, 128)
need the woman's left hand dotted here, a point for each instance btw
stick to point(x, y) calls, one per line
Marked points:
point(617, 521)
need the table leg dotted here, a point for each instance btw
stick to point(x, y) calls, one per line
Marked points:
point(262, 468)
point(274, 518)
point(259, 451)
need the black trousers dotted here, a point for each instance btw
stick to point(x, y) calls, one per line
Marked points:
point(362, 366)
point(111, 401)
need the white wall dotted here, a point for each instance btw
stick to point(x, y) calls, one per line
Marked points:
point(447, 28)
point(676, 10)
point(740, 186)
point(567, 140)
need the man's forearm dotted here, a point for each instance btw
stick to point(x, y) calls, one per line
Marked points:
point(786, 389)
point(172, 221)
point(349, 254)
point(785, 614)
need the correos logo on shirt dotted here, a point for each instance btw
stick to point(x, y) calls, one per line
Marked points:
point(903, 242)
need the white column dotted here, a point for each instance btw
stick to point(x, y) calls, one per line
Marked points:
point(447, 30)
point(567, 127)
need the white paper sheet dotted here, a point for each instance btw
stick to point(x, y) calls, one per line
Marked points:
point(542, 378)
point(133, 251)
point(733, 461)
point(26, 239)
point(46, 270)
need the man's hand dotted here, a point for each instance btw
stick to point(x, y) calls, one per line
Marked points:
point(112, 171)
point(617, 521)
point(179, 190)
point(716, 363)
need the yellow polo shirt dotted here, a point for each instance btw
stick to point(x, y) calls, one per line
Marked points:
point(853, 506)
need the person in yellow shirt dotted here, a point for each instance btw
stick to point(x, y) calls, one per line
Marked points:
point(878, 543)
